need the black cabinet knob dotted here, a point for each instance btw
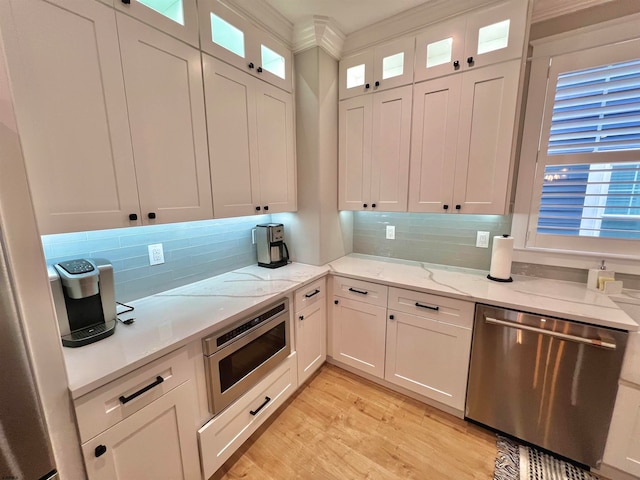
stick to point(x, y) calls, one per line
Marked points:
point(456, 64)
point(373, 205)
point(301, 317)
point(133, 216)
point(458, 207)
point(151, 215)
point(377, 84)
point(365, 205)
point(258, 208)
point(100, 450)
point(366, 86)
point(126, 2)
point(266, 208)
point(259, 69)
point(335, 301)
point(470, 61)
point(391, 317)
point(250, 65)
point(446, 207)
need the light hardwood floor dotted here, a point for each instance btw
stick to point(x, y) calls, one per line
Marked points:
point(340, 426)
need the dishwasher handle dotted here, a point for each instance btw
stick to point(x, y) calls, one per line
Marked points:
point(571, 338)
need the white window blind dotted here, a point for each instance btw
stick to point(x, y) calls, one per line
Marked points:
point(590, 185)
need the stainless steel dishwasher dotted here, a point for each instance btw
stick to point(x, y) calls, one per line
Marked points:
point(547, 381)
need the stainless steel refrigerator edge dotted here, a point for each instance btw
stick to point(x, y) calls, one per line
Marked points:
point(31, 295)
point(547, 381)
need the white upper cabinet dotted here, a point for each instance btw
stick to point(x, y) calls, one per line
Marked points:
point(380, 68)
point(165, 100)
point(487, 36)
point(227, 35)
point(251, 143)
point(373, 156)
point(178, 18)
point(72, 114)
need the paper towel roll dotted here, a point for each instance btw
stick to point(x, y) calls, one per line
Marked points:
point(501, 258)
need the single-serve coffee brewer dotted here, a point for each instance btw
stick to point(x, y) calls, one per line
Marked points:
point(84, 298)
point(272, 251)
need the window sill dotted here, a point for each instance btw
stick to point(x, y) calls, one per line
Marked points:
point(566, 258)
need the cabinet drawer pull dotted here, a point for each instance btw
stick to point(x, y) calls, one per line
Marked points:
point(158, 381)
point(427, 306)
point(264, 404)
point(361, 292)
point(312, 294)
point(100, 450)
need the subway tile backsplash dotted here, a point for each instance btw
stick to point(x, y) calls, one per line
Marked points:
point(192, 251)
point(432, 238)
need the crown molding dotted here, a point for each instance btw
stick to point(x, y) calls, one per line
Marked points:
point(318, 31)
point(266, 17)
point(546, 9)
point(409, 21)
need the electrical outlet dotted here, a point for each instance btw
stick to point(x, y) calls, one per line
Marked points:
point(391, 232)
point(482, 239)
point(156, 255)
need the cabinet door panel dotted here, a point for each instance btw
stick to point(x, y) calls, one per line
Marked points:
point(487, 119)
point(390, 149)
point(157, 442)
point(438, 47)
point(74, 125)
point(433, 144)
point(356, 74)
point(276, 161)
point(231, 119)
point(355, 119)
point(311, 342)
point(393, 64)
point(428, 357)
point(359, 331)
point(623, 443)
point(178, 18)
point(163, 80)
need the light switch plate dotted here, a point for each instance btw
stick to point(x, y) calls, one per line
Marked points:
point(482, 239)
point(156, 255)
point(391, 232)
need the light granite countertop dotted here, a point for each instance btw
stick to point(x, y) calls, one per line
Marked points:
point(569, 300)
point(172, 319)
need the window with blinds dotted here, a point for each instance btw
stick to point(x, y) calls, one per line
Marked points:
point(596, 112)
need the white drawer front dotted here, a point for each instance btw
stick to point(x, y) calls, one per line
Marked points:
point(310, 294)
point(222, 436)
point(98, 410)
point(443, 309)
point(361, 291)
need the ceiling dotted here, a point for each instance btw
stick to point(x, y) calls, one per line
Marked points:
point(352, 15)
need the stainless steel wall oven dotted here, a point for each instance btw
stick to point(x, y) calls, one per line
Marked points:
point(237, 357)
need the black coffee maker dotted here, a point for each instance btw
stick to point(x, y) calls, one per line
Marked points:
point(84, 297)
point(272, 251)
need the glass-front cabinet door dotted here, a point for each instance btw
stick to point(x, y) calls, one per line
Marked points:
point(178, 18)
point(495, 34)
point(229, 36)
point(385, 66)
point(440, 50)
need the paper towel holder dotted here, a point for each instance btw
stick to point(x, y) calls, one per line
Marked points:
point(503, 280)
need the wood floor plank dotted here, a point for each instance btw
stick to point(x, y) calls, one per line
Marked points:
point(339, 426)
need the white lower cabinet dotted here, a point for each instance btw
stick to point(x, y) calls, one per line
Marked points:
point(156, 442)
point(359, 326)
point(222, 436)
point(428, 345)
point(623, 443)
point(311, 328)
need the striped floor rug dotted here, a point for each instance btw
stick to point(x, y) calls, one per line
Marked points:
point(519, 462)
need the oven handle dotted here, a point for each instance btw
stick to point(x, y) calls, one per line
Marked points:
point(564, 336)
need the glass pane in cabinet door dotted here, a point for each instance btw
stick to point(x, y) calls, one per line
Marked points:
point(440, 52)
point(172, 9)
point(273, 62)
point(393, 66)
point(227, 36)
point(355, 76)
point(493, 37)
